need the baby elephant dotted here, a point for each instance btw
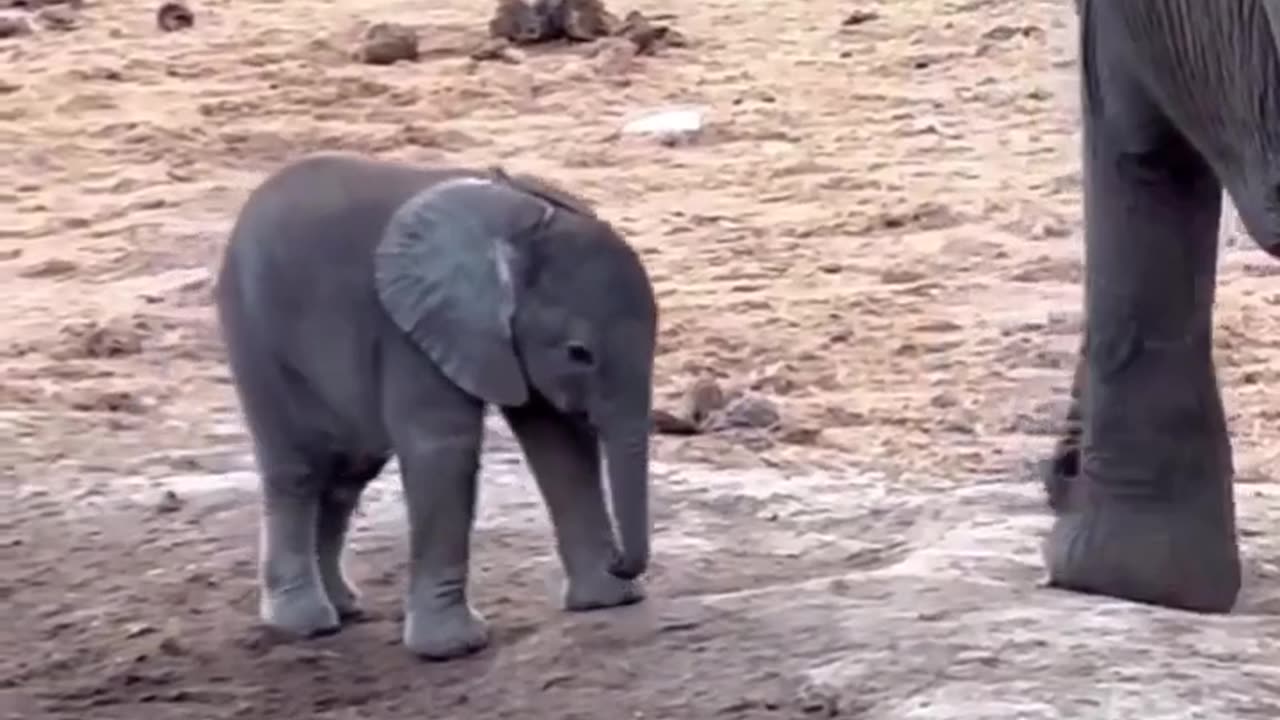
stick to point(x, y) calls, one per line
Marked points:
point(371, 308)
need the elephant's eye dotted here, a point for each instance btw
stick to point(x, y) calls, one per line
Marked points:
point(580, 355)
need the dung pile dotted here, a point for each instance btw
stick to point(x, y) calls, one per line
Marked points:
point(525, 22)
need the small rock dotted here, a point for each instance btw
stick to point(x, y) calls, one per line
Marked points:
point(581, 20)
point(613, 57)
point(647, 35)
point(858, 17)
point(169, 503)
point(498, 49)
point(90, 339)
point(671, 126)
point(114, 401)
point(171, 645)
point(1007, 32)
point(750, 411)
point(668, 423)
point(800, 435)
point(519, 22)
point(388, 43)
point(58, 17)
point(12, 26)
point(703, 399)
point(138, 630)
point(174, 16)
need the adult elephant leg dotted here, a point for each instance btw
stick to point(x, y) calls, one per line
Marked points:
point(437, 431)
point(1152, 518)
point(565, 458)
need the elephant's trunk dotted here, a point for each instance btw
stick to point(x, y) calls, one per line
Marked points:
point(627, 461)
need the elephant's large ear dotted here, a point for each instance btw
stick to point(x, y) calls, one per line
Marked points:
point(443, 272)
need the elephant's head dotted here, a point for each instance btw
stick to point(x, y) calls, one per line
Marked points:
point(514, 287)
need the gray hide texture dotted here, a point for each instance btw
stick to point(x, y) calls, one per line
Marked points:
point(546, 190)
point(444, 273)
point(1273, 16)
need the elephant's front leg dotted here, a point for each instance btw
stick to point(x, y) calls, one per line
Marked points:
point(437, 433)
point(564, 456)
point(1151, 515)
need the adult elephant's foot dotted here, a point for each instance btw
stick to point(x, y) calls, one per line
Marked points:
point(1180, 556)
point(303, 610)
point(1059, 472)
point(445, 633)
point(596, 590)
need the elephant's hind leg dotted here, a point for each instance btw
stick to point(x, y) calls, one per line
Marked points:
point(1151, 516)
point(350, 474)
point(294, 474)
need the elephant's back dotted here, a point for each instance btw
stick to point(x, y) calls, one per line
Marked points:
point(305, 236)
point(330, 202)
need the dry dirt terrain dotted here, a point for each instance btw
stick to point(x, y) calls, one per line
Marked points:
point(878, 231)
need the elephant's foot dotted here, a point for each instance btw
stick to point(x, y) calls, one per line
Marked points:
point(1179, 556)
point(345, 598)
point(303, 610)
point(600, 590)
point(444, 634)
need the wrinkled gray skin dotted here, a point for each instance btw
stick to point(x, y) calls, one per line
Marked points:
point(372, 308)
point(1181, 100)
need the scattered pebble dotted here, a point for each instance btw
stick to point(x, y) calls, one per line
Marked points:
point(703, 399)
point(668, 423)
point(90, 339)
point(859, 17)
point(388, 43)
point(169, 503)
point(581, 20)
point(174, 16)
point(1008, 32)
point(648, 36)
point(498, 49)
point(136, 630)
point(749, 410)
point(114, 401)
point(62, 18)
point(613, 57)
point(519, 22)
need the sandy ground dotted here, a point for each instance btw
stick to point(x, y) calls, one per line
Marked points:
point(879, 231)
